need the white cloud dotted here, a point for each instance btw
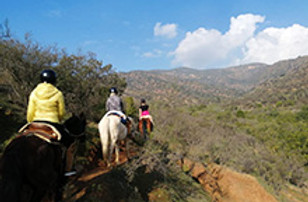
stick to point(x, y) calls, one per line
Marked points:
point(273, 44)
point(154, 54)
point(167, 30)
point(205, 48)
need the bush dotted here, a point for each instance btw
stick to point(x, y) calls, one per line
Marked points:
point(303, 114)
point(240, 114)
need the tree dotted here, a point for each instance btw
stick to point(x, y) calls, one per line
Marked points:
point(130, 107)
point(20, 66)
point(85, 83)
point(83, 79)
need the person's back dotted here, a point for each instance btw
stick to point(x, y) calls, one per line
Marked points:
point(114, 102)
point(144, 111)
point(46, 102)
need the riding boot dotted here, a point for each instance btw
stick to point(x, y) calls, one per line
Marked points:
point(123, 120)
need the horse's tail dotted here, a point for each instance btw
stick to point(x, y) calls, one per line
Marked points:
point(11, 172)
point(103, 128)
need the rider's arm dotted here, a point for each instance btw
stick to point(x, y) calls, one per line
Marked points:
point(140, 112)
point(108, 105)
point(61, 112)
point(31, 108)
point(122, 106)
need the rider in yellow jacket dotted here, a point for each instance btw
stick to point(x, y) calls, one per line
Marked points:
point(46, 102)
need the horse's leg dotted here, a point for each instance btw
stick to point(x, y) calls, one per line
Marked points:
point(103, 128)
point(149, 127)
point(144, 129)
point(70, 153)
point(116, 147)
point(113, 145)
point(126, 148)
point(140, 126)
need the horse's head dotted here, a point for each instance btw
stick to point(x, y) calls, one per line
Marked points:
point(76, 125)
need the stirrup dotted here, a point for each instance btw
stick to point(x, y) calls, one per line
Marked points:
point(70, 173)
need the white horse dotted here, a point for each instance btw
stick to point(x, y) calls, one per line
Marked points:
point(111, 131)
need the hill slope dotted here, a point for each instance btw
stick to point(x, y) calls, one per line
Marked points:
point(290, 87)
point(185, 85)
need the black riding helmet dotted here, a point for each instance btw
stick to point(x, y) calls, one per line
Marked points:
point(48, 76)
point(113, 90)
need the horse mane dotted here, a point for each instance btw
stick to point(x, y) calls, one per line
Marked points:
point(76, 124)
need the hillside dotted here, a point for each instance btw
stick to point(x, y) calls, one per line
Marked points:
point(191, 85)
point(287, 89)
point(186, 85)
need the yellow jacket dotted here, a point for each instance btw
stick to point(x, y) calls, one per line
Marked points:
point(46, 103)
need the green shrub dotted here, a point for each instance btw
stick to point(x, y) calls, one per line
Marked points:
point(240, 114)
point(279, 104)
point(303, 114)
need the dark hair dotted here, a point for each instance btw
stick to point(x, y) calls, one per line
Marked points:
point(142, 100)
point(48, 76)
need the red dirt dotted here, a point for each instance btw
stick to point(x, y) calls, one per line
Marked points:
point(242, 187)
point(226, 185)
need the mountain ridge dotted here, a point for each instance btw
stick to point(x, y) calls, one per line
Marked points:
point(186, 85)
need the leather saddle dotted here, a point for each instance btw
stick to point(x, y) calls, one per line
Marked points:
point(42, 130)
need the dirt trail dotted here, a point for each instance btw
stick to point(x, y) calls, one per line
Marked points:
point(77, 186)
point(226, 185)
point(221, 183)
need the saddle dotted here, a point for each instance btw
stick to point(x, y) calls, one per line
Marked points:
point(124, 121)
point(42, 130)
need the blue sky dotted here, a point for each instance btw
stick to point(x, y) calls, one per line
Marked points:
point(165, 34)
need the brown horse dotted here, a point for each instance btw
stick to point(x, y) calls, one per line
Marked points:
point(145, 127)
point(32, 169)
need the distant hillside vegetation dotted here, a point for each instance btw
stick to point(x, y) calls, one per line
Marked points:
point(192, 86)
point(290, 87)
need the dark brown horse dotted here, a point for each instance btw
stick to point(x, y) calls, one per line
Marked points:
point(33, 169)
point(145, 127)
